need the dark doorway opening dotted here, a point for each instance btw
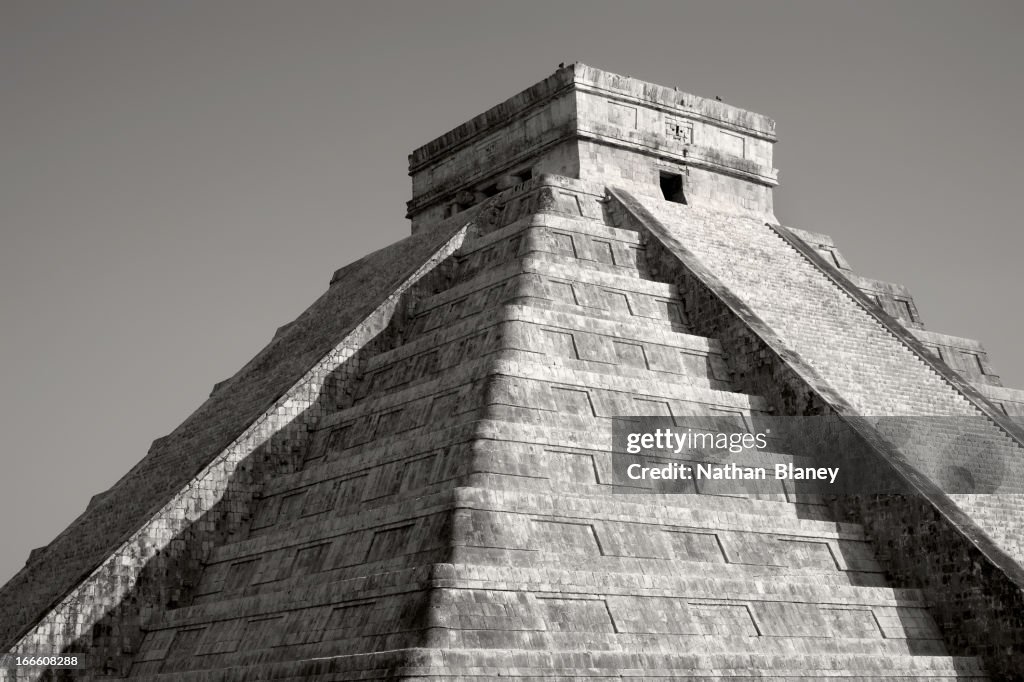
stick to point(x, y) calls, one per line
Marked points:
point(672, 187)
point(523, 175)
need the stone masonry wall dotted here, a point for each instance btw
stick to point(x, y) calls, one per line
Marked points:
point(976, 591)
point(591, 124)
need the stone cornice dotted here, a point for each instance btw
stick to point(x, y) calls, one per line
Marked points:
point(585, 78)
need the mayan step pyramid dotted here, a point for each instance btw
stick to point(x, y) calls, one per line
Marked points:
point(413, 479)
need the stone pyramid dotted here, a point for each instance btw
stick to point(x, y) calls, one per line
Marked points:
point(413, 480)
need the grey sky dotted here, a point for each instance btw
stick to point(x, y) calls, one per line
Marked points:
point(178, 179)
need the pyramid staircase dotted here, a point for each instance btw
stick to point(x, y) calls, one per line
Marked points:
point(454, 517)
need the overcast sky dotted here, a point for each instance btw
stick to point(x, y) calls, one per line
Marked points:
point(178, 179)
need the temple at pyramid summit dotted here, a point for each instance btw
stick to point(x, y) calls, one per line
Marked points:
point(414, 479)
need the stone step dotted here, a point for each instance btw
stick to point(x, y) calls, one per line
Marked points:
point(536, 388)
point(291, 507)
point(691, 579)
point(586, 243)
point(615, 313)
point(336, 550)
point(588, 269)
point(219, 584)
point(648, 330)
point(504, 455)
point(640, 384)
point(644, 331)
point(581, 225)
point(539, 277)
point(594, 226)
point(701, 514)
point(522, 466)
point(698, 564)
point(217, 588)
point(525, 333)
point(424, 664)
point(550, 599)
point(736, 513)
point(812, 645)
point(539, 454)
point(641, 541)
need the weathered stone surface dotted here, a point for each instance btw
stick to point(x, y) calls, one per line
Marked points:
point(413, 481)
